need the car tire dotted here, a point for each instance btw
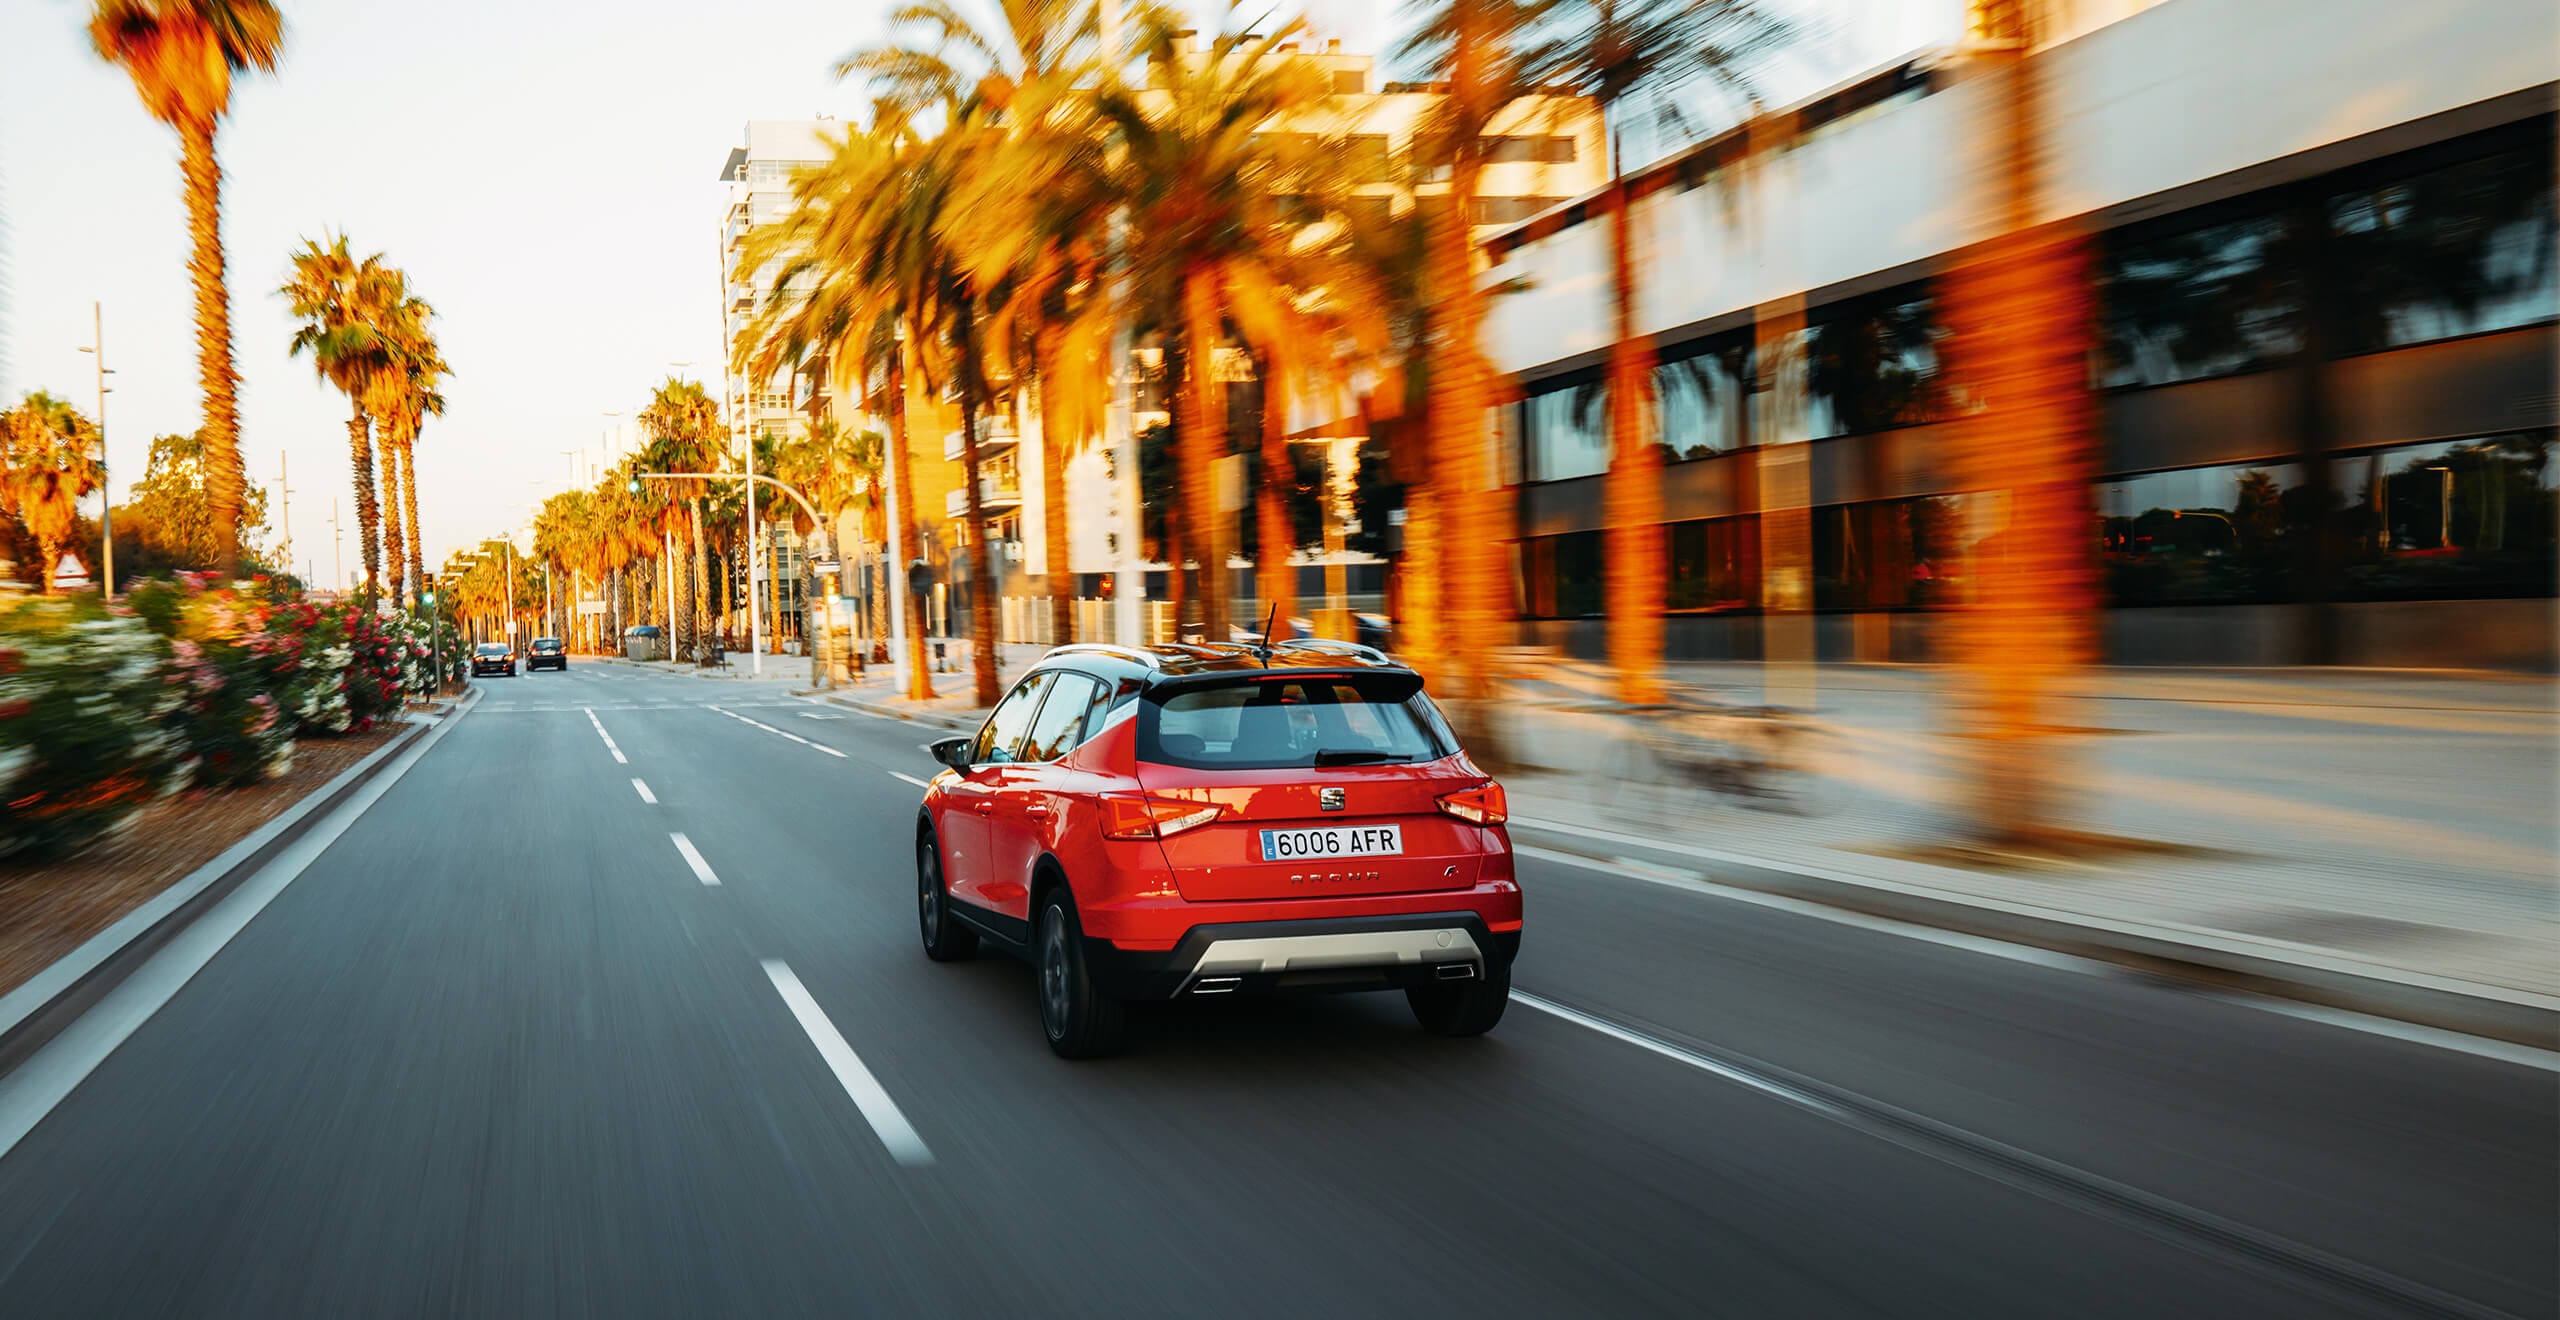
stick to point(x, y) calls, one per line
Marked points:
point(945, 939)
point(1462, 1008)
point(1080, 1021)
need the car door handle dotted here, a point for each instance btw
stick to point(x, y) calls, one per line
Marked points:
point(983, 806)
point(1037, 809)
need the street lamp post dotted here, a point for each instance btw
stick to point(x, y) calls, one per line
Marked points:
point(819, 546)
point(106, 494)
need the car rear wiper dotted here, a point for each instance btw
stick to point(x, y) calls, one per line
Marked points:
point(1356, 756)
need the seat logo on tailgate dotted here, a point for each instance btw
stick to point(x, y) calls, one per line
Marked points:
point(1329, 799)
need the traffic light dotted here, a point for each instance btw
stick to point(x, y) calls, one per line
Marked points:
point(632, 485)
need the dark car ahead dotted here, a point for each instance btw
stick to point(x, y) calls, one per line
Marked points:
point(492, 658)
point(546, 653)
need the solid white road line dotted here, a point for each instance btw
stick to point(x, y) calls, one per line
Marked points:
point(779, 733)
point(643, 790)
point(910, 779)
point(618, 757)
point(31, 1091)
point(1768, 1086)
point(2347, 1019)
point(877, 1108)
point(693, 858)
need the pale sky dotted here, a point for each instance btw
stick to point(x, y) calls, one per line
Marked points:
point(545, 170)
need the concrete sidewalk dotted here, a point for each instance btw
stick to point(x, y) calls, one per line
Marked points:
point(2382, 840)
point(2328, 827)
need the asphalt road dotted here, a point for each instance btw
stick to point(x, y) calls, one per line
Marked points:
point(502, 1049)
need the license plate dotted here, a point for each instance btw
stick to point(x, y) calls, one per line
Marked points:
point(1333, 841)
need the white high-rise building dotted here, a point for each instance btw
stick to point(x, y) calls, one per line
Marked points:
point(758, 175)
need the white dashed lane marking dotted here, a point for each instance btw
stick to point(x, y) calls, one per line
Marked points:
point(618, 757)
point(693, 858)
point(776, 732)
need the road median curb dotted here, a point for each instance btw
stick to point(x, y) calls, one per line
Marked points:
point(935, 718)
point(2258, 967)
point(35, 1012)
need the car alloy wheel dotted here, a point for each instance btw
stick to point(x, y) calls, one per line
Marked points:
point(945, 939)
point(1080, 1020)
point(1054, 1006)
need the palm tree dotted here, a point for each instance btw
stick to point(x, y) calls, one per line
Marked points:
point(2019, 320)
point(1031, 223)
point(839, 297)
point(344, 304)
point(50, 459)
point(1621, 54)
point(687, 435)
point(1455, 575)
point(422, 368)
point(1194, 159)
point(181, 55)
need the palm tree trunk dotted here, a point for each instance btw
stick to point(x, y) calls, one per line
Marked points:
point(221, 432)
point(1054, 447)
point(702, 583)
point(1204, 435)
point(50, 550)
point(901, 375)
point(1632, 492)
point(394, 560)
point(1275, 578)
point(409, 504)
point(1456, 578)
point(368, 513)
point(982, 573)
point(2019, 316)
point(1177, 578)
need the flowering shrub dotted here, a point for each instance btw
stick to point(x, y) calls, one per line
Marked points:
point(229, 665)
point(377, 662)
point(188, 681)
point(84, 733)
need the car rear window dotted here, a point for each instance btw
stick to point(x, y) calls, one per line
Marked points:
point(492, 648)
point(1253, 722)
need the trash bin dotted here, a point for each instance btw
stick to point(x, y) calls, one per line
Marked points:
point(645, 641)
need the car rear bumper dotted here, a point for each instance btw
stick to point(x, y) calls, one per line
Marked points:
point(1374, 952)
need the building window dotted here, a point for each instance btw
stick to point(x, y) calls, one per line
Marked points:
point(1543, 150)
point(1568, 431)
point(1367, 159)
point(2452, 251)
point(1697, 407)
point(1890, 554)
point(1714, 563)
point(1506, 210)
point(2204, 300)
point(2214, 535)
point(1350, 82)
point(2451, 519)
point(1562, 575)
point(1873, 365)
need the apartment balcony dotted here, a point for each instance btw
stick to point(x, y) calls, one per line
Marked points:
point(995, 434)
point(996, 499)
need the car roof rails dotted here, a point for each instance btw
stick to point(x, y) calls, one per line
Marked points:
point(1148, 658)
point(1329, 646)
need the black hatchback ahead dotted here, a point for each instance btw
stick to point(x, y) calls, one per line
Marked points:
point(492, 658)
point(546, 653)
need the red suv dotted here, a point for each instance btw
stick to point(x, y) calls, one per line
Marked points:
point(1205, 820)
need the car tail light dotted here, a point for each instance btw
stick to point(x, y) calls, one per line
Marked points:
point(1481, 805)
point(1137, 816)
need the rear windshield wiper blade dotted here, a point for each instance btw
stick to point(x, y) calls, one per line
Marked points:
point(1356, 756)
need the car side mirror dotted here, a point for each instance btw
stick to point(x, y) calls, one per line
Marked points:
point(954, 752)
